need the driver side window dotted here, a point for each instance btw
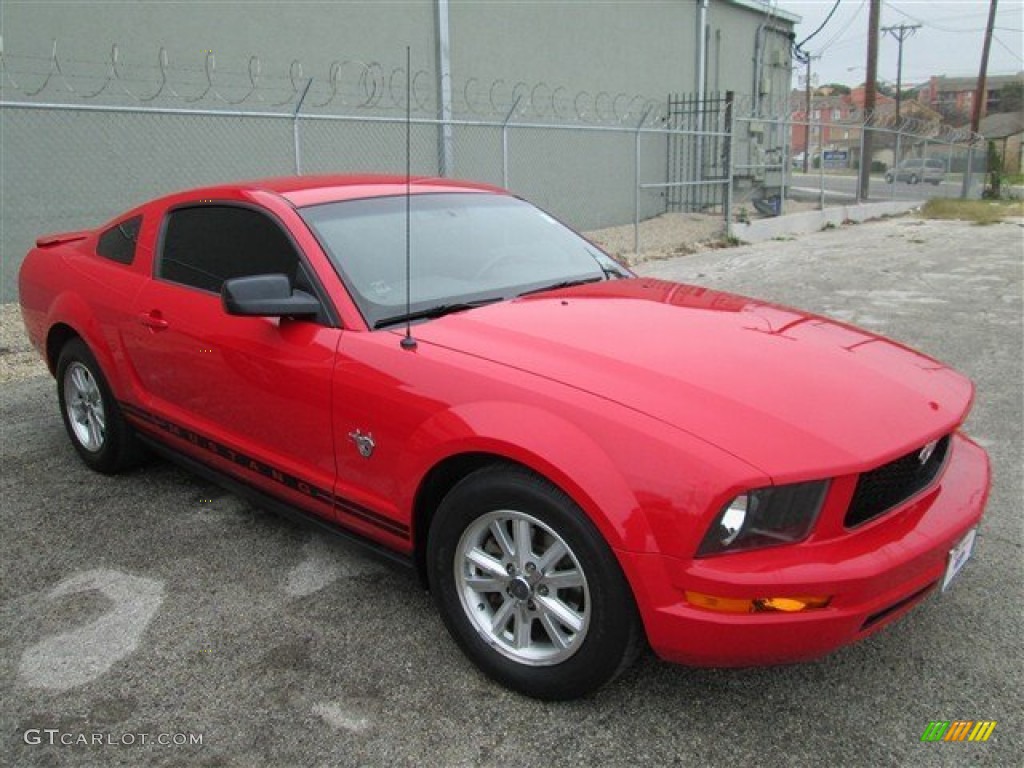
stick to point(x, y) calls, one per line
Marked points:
point(205, 245)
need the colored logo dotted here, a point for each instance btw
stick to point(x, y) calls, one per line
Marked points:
point(958, 730)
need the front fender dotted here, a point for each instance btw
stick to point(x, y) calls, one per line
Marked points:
point(545, 442)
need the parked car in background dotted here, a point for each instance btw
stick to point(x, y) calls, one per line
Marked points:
point(916, 170)
point(577, 461)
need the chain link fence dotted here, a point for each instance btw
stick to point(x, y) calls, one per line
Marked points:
point(79, 149)
point(817, 160)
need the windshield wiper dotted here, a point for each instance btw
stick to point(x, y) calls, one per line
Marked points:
point(438, 311)
point(563, 284)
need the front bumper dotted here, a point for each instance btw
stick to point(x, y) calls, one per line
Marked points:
point(873, 574)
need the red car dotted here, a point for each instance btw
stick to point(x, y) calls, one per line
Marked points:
point(576, 460)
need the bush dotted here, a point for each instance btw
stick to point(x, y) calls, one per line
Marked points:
point(993, 189)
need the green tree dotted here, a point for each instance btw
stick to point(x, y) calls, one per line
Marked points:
point(842, 90)
point(1011, 98)
point(952, 115)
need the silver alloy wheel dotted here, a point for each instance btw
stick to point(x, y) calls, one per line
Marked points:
point(83, 402)
point(522, 588)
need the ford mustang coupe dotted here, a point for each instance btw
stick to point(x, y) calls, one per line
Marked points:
point(577, 461)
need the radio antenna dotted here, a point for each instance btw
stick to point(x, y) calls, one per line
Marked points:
point(408, 342)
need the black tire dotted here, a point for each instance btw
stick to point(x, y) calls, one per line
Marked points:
point(888, 178)
point(106, 444)
point(913, 179)
point(610, 636)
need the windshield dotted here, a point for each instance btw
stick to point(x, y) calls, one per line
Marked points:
point(467, 249)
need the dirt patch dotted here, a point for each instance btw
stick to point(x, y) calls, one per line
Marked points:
point(18, 359)
point(679, 234)
point(663, 237)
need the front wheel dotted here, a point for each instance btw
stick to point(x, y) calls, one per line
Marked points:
point(913, 179)
point(90, 412)
point(528, 587)
point(888, 178)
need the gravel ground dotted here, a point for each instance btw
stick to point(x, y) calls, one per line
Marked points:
point(155, 603)
point(18, 359)
point(675, 234)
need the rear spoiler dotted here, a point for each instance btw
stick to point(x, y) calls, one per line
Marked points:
point(62, 237)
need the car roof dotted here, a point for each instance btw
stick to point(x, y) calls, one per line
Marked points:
point(314, 190)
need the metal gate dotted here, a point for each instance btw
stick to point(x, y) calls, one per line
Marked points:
point(698, 151)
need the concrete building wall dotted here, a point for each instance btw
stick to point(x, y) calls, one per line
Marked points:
point(629, 47)
point(277, 32)
point(67, 170)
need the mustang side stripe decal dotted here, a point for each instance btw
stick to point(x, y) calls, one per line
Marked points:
point(253, 465)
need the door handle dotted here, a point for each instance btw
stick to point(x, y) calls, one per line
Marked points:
point(153, 320)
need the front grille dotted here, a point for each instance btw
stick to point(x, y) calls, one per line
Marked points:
point(883, 488)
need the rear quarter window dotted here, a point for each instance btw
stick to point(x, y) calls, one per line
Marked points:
point(118, 242)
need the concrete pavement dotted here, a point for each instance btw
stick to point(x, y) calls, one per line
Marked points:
point(154, 603)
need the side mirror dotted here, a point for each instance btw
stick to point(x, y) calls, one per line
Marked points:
point(266, 296)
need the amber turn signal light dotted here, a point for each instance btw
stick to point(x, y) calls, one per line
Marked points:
point(757, 605)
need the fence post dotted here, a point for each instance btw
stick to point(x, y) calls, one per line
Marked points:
point(786, 149)
point(445, 140)
point(296, 144)
point(965, 188)
point(504, 142)
point(924, 156)
point(896, 164)
point(949, 159)
point(860, 163)
point(821, 162)
point(636, 180)
point(730, 130)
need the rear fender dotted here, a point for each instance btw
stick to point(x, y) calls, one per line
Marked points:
point(70, 309)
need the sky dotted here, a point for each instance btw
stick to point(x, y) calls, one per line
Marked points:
point(948, 43)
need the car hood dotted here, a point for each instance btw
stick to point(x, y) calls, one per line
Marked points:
point(790, 393)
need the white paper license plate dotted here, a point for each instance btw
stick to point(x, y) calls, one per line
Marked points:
point(958, 555)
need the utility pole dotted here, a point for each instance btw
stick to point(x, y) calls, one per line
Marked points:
point(979, 93)
point(901, 33)
point(869, 99)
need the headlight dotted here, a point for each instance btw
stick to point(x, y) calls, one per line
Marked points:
point(765, 517)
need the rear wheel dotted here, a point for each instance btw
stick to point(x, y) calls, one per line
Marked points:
point(528, 587)
point(913, 179)
point(90, 412)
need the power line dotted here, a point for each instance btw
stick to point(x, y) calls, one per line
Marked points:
point(821, 27)
point(1013, 53)
point(845, 27)
point(930, 23)
point(798, 52)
